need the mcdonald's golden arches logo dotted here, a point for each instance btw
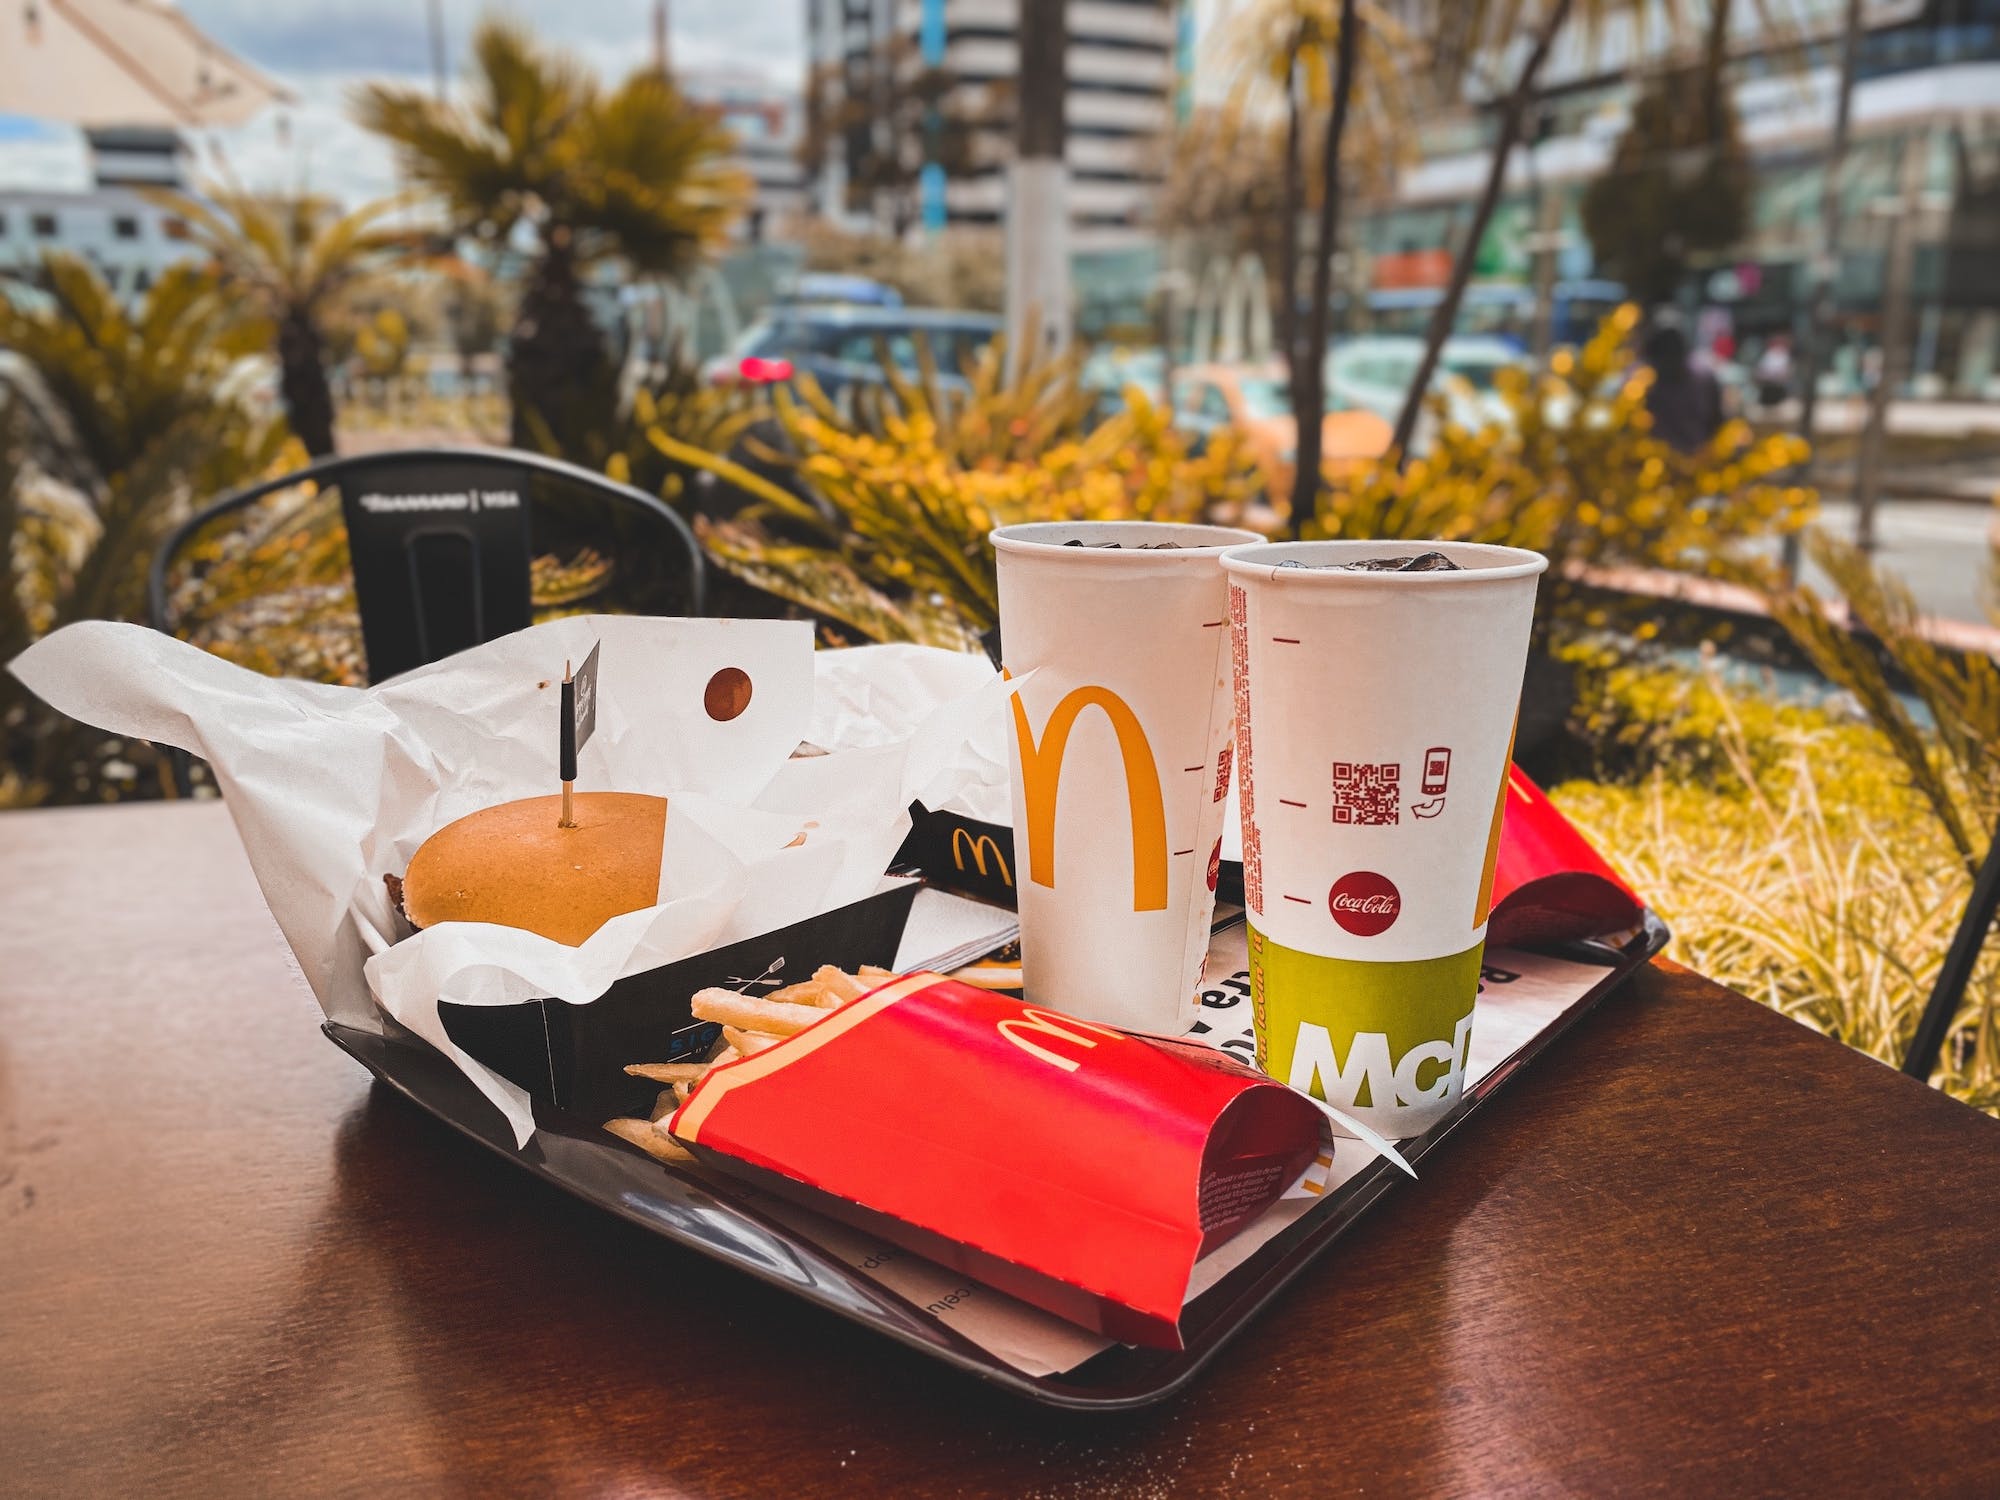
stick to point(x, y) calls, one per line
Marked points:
point(964, 842)
point(1041, 778)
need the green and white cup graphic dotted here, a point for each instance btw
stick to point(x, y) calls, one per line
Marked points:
point(1374, 722)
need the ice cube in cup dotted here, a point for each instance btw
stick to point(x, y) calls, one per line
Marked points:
point(1416, 562)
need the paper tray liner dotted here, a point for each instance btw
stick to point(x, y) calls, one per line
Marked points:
point(1062, 1162)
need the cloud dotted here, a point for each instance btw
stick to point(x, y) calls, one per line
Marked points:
point(310, 147)
point(298, 41)
point(322, 50)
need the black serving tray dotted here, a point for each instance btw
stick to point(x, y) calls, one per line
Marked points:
point(574, 1153)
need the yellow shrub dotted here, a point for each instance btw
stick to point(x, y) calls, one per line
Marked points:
point(888, 533)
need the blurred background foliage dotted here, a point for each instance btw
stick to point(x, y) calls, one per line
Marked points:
point(116, 420)
point(1792, 856)
point(879, 514)
point(536, 147)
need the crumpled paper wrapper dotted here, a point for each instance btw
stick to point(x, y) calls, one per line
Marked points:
point(332, 788)
point(876, 695)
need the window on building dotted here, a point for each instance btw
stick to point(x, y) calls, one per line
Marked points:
point(174, 229)
point(3, 226)
point(43, 225)
point(125, 227)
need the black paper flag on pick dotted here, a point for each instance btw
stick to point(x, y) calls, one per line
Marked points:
point(583, 711)
point(578, 713)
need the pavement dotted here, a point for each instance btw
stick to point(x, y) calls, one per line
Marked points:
point(1943, 549)
point(1906, 418)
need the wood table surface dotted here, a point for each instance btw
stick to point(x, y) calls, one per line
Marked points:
point(1700, 1251)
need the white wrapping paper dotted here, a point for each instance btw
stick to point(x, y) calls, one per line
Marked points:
point(874, 695)
point(333, 788)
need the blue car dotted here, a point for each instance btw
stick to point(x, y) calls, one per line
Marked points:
point(841, 345)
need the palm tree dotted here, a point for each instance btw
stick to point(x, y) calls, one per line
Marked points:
point(291, 260)
point(635, 173)
point(1347, 59)
point(114, 421)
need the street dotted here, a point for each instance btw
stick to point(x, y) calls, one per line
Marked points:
point(1943, 549)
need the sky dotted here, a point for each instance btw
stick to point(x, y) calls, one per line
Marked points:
point(321, 48)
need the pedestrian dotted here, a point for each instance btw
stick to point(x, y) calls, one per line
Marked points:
point(1774, 371)
point(1685, 402)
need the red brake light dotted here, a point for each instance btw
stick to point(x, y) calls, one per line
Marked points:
point(764, 371)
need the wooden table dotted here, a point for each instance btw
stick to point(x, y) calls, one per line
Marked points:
point(1704, 1252)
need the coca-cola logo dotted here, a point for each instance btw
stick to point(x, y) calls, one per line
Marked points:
point(1365, 903)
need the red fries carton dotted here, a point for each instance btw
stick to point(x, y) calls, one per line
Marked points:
point(1549, 884)
point(1079, 1168)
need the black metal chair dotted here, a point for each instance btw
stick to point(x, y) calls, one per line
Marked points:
point(1968, 941)
point(440, 545)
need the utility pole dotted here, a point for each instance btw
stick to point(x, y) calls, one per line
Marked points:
point(661, 54)
point(1545, 244)
point(1902, 210)
point(1816, 336)
point(1038, 316)
point(436, 12)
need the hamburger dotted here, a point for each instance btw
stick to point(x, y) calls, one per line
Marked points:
point(515, 864)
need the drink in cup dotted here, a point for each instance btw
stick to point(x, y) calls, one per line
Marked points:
point(1121, 747)
point(1376, 687)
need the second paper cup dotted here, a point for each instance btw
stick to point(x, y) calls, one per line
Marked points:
point(1120, 749)
point(1374, 722)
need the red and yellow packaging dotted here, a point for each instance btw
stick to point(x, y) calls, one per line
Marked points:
point(1078, 1168)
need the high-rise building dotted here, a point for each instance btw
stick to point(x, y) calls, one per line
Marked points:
point(911, 113)
point(764, 117)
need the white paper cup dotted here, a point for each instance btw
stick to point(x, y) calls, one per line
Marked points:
point(1374, 721)
point(1127, 714)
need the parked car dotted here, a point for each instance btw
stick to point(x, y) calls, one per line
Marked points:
point(1255, 400)
point(841, 345)
point(827, 286)
point(1112, 369)
point(1374, 373)
point(1501, 309)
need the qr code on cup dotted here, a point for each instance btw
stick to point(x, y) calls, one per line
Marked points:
point(1367, 793)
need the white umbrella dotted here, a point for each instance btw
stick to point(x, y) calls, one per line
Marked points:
point(122, 62)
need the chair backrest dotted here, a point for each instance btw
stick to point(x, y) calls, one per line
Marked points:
point(440, 555)
point(440, 541)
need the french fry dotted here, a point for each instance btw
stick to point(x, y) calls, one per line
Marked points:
point(749, 1025)
point(805, 992)
point(774, 1017)
point(749, 1042)
point(841, 985)
point(670, 1072)
point(649, 1138)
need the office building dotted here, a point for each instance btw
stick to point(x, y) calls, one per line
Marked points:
point(764, 118)
point(911, 110)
